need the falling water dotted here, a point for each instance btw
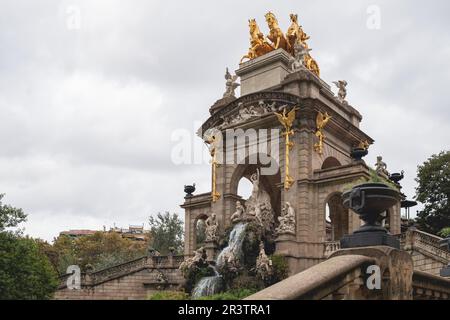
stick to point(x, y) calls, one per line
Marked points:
point(234, 245)
point(210, 285)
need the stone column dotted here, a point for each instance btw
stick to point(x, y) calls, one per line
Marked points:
point(211, 250)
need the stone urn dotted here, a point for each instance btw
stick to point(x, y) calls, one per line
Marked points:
point(396, 177)
point(369, 201)
point(358, 153)
point(189, 190)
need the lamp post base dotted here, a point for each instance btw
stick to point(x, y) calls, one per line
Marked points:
point(368, 239)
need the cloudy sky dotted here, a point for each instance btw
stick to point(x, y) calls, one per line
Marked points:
point(92, 94)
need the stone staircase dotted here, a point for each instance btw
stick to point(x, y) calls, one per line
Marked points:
point(131, 280)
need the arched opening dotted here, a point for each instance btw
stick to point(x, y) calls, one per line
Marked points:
point(271, 181)
point(200, 231)
point(337, 216)
point(244, 188)
point(330, 162)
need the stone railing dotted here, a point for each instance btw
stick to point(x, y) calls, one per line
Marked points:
point(100, 276)
point(430, 287)
point(414, 238)
point(331, 279)
point(330, 247)
point(344, 276)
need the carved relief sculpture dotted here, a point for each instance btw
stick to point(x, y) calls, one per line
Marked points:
point(287, 122)
point(321, 121)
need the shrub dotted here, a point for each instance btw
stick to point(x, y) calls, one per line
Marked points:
point(280, 268)
point(236, 294)
point(168, 295)
point(444, 232)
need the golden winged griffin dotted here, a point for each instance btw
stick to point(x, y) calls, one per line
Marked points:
point(295, 36)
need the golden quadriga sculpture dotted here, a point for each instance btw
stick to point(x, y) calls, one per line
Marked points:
point(260, 45)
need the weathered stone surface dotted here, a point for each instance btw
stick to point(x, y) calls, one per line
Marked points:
point(264, 72)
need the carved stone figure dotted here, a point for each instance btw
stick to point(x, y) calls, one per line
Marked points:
point(342, 93)
point(258, 44)
point(287, 220)
point(230, 84)
point(258, 205)
point(381, 167)
point(211, 228)
point(263, 263)
point(198, 259)
point(239, 213)
point(300, 52)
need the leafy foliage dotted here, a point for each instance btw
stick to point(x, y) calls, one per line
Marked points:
point(234, 294)
point(433, 178)
point(167, 231)
point(374, 178)
point(100, 250)
point(280, 268)
point(168, 295)
point(25, 272)
point(444, 232)
point(10, 216)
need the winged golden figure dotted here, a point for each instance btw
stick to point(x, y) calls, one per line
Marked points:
point(322, 120)
point(286, 120)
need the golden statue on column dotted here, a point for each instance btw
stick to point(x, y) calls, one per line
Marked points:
point(287, 122)
point(212, 139)
point(321, 121)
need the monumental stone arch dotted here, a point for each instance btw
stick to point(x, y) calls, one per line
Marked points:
point(269, 85)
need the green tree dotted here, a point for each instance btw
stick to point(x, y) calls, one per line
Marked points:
point(10, 216)
point(100, 250)
point(433, 177)
point(25, 271)
point(167, 232)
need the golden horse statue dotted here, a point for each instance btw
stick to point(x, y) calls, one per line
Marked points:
point(276, 35)
point(258, 44)
point(295, 33)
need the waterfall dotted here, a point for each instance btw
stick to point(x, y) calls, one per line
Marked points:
point(210, 285)
point(234, 247)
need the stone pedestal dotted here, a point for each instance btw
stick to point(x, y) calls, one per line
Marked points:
point(211, 249)
point(366, 239)
point(264, 72)
point(395, 269)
